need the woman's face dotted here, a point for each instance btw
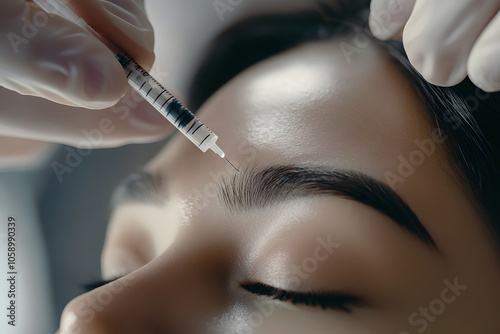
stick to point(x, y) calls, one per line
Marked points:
point(345, 216)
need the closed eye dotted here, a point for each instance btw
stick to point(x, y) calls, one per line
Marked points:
point(333, 301)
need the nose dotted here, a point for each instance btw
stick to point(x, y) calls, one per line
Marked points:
point(180, 291)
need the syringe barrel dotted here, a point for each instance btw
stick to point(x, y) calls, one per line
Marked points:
point(163, 101)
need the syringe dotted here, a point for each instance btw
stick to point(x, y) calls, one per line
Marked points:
point(149, 88)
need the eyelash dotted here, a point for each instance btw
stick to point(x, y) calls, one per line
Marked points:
point(325, 301)
point(331, 301)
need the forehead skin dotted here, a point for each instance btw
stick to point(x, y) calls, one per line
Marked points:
point(314, 106)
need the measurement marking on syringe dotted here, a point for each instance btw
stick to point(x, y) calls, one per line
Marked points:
point(170, 98)
point(186, 114)
point(181, 116)
point(204, 139)
point(197, 129)
point(159, 96)
point(191, 127)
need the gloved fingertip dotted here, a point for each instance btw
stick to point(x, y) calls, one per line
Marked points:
point(489, 87)
point(388, 17)
point(442, 79)
point(439, 66)
point(487, 81)
point(384, 31)
point(483, 67)
point(104, 85)
point(124, 22)
point(135, 32)
point(146, 60)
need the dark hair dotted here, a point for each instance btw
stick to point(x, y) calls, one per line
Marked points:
point(466, 115)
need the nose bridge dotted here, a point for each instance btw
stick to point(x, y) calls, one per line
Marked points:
point(167, 295)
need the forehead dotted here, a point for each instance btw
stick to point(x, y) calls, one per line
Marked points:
point(317, 97)
point(318, 103)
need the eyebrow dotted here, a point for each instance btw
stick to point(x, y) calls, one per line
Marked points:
point(139, 187)
point(254, 188)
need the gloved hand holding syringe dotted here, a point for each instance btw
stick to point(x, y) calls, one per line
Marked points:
point(142, 82)
point(53, 60)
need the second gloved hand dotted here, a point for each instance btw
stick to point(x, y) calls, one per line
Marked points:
point(445, 40)
point(44, 55)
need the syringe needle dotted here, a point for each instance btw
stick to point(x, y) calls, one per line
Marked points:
point(221, 154)
point(146, 86)
point(231, 164)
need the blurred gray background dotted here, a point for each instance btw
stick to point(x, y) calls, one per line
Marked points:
point(74, 214)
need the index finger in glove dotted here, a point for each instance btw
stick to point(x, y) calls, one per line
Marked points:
point(483, 65)
point(388, 17)
point(123, 22)
point(47, 56)
point(439, 36)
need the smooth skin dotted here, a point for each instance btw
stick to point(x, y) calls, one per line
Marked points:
point(183, 260)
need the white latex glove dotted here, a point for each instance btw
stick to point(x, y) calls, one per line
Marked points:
point(445, 40)
point(46, 56)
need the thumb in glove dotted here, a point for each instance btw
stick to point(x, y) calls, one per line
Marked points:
point(45, 55)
